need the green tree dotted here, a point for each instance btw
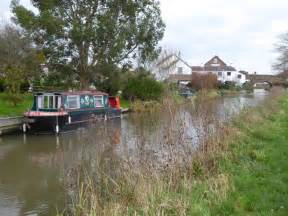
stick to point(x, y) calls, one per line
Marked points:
point(143, 86)
point(19, 58)
point(83, 34)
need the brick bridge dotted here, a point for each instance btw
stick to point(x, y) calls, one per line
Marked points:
point(270, 79)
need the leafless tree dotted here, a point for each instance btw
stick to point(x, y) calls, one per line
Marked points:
point(165, 64)
point(282, 49)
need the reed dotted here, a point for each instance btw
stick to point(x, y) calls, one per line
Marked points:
point(179, 175)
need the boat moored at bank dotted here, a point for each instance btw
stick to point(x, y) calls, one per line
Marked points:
point(60, 111)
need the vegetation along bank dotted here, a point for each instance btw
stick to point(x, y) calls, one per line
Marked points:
point(240, 171)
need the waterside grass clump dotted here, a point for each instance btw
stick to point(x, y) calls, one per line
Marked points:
point(238, 168)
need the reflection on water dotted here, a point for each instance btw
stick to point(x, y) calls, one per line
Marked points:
point(33, 169)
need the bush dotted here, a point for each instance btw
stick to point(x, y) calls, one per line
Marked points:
point(228, 85)
point(248, 86)
point(143, 88)
point(204, 81)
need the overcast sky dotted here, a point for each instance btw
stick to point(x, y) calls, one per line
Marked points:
point(241, 32)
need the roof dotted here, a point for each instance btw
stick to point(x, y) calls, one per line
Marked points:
point(214, 64)
point(218, 59)
point(88, 92)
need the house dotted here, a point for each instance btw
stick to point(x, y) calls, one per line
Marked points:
point(223, 72)
point(171, 66)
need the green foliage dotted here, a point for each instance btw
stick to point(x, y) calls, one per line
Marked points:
point(12, 99)
point(15, 105)
point(228, 85)
point(85, 34)
point(19, 59)
point(143, 87)
point(248, 86)
point(110, 79)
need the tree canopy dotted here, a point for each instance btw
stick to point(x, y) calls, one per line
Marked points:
point(82, 35)
point(20, 60)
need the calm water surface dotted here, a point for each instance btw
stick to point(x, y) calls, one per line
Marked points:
point(34, 169)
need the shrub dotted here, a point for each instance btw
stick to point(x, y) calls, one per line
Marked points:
point(228, 85)
point(204, 81)
point(248, 86)
point(143, 88)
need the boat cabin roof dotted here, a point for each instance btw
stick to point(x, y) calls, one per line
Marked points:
point(73, 93)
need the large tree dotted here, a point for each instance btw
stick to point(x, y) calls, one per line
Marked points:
point(20, 60)
point(83, 34)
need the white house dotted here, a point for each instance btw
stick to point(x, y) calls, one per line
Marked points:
point(223, 72)
point(171, 65)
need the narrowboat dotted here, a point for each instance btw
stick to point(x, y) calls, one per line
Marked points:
point(61, 111)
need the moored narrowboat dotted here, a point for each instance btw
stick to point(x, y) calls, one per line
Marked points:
point(60, 111)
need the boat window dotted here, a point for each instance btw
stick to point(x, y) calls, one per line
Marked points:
point(73, 102)
point(51, 102)
point(98, 101)
point(48, 102)
point(39, 102)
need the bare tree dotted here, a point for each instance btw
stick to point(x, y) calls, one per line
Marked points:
point(282, 48)
point(165, 64)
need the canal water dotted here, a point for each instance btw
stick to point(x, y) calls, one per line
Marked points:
point(35, 169)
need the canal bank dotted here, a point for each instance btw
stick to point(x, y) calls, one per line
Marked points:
point(242, 172)
point(49, 164)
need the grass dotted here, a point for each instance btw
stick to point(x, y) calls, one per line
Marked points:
point(258, 165)
point(242, 171)
point(8, 110)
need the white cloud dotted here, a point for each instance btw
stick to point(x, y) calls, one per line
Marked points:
point(241, 31)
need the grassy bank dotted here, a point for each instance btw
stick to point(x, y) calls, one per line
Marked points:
point(9, 110)
point(257, 163)
point(243, 170)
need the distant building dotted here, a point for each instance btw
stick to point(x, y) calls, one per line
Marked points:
point(223, 72)
point(171, 65)
point(182, 71)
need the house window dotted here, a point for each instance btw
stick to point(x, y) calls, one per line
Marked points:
point(228, 73)
point(98, 101)
point(73, 102)
point(239, 76)
point(219, 74)
point(180, 70)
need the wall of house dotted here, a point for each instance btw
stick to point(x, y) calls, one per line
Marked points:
point(181, 68)
point(238, 78)
point(224, 77)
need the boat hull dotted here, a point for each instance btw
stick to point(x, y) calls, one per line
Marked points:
point(70, 121)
